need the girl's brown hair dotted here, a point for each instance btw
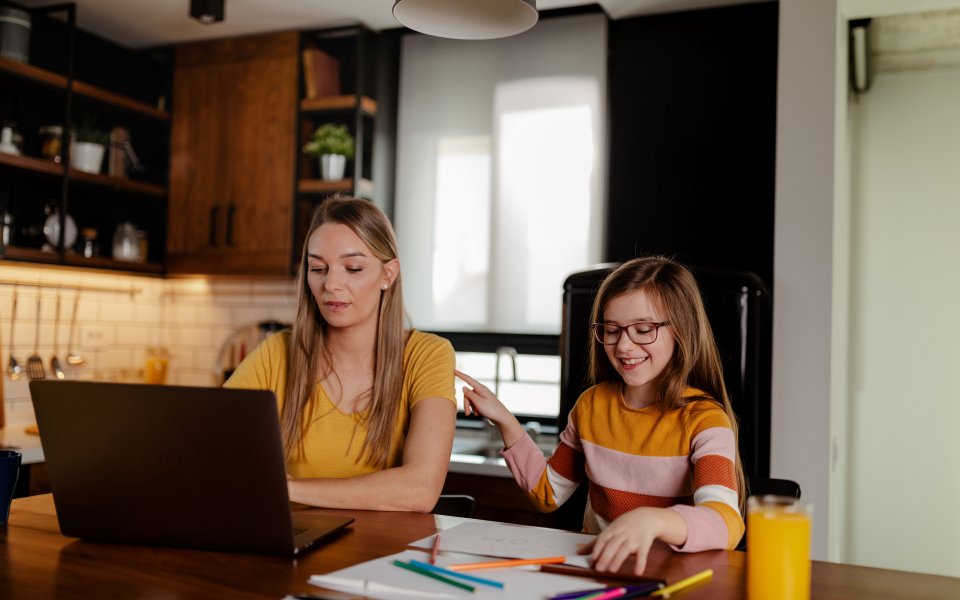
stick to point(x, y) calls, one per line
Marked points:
point(309, 360)
point(695, 361)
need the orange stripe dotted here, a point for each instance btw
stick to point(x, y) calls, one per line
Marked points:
point(715, 470)
point(733, 520)
point(568, 463)
point(609, 503)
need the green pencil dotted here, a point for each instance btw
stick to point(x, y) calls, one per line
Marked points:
point(436, 576)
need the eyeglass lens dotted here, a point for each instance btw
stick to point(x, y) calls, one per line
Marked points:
point(639, 333)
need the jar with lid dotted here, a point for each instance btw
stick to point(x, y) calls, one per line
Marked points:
point(51, 146)
point(90, 248)
point(126, 244)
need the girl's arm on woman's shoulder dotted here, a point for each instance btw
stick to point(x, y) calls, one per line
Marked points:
point(413, 486)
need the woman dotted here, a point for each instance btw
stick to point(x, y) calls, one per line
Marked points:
point(367, 409)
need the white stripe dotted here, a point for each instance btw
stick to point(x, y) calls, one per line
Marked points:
point(717, 493)
point(562, 487)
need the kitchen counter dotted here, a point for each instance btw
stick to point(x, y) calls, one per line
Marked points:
point(475, 454)
point(14, 435)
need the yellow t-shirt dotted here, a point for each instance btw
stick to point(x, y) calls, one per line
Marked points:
point(334, 440)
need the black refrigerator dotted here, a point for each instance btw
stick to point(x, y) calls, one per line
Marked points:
point(739, 308)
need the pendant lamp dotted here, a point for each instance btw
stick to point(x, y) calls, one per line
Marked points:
point(467, 19)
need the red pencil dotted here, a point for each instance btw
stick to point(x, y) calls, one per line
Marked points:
point(436, 548)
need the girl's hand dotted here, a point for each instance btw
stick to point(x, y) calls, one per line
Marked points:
point(479, 400)
point(632, 533)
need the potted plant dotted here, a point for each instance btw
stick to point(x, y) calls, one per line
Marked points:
point(333, 145)
point(88, 146)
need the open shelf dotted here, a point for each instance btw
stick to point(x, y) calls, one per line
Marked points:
point(29, 254)
point(29, 163)
point(47, 167)
point(102, 262)
point(93, 92)
point(347, 102)
point(323, 186)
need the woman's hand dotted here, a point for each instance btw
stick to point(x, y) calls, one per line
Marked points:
point(479, 400)
point(632, 533)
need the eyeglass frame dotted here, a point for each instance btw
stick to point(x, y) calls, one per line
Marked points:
point(656, 331)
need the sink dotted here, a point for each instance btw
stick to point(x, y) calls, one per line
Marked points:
point(492, 449)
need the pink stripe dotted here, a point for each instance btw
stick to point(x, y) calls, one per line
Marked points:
point(525, 460)
point(716, 440)
point(570, 436)
point(706, 529)
point(650, 475)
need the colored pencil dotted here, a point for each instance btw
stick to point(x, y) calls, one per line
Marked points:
point(606, 595)
point(436, 576)
point(450, 573)
point(632, 591)
point(435, 550)
point(684, 583)
point(581, 572)
point(499, 564)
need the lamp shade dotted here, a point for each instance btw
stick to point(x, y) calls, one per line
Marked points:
point(467, 19)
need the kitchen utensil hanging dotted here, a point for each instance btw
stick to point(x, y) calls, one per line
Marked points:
point(14, 368)
point(35, 368)
point(74, 358)
point(55, 365)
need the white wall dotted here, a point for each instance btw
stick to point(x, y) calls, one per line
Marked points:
point(193, 318)
point(905, 326)
point(804, 248)
point(863, 422)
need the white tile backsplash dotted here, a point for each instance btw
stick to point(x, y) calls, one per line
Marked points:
point(191, 317)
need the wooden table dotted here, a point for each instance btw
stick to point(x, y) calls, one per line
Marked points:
point(37, 562)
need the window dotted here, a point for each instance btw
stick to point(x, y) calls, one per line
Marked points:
point(500, 181)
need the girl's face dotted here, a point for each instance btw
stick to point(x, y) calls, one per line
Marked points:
point(346, 279)
point(639, 365)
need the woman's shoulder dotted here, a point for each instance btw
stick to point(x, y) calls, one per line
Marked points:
point(420, 342)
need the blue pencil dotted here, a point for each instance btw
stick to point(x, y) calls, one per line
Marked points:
point(450, 573)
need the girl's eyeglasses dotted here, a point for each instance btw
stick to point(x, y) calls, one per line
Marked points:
point(642, 333)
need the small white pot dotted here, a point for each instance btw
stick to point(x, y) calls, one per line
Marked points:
point(332, 166)
point(86, 156)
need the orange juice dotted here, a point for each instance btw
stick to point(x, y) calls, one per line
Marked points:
point(155, 369)
point(778, 549)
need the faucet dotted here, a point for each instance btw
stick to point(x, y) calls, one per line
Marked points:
point(492, 433)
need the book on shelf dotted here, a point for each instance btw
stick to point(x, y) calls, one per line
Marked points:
point(321, 74)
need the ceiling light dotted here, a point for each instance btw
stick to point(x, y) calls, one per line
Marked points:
point(207, 11)
point(467, 19)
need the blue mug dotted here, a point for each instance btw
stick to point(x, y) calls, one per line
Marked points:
point(9, 470)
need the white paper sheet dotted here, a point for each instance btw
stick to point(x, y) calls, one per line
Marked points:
point(510, 541)
point(524, 583)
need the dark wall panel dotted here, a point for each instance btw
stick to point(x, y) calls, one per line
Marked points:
point(692, 137)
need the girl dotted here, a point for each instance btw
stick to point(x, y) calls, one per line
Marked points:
point(655, 437)
point(367, 410)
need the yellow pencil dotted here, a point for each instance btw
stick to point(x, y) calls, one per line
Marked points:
point(684, 583)
point(498, 564)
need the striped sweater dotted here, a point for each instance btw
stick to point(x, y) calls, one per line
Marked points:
point(682, 459)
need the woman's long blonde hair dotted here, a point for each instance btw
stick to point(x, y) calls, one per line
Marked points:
point(695, 361)
point(308, 353)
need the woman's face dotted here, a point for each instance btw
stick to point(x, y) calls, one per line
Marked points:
point(639, 364)
point(345, 277)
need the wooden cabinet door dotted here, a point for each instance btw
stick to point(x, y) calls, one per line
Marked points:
point(260, 166)
point(232, 158)
point(198, 139)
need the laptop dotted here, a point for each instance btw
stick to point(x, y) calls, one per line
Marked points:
point(172, 466)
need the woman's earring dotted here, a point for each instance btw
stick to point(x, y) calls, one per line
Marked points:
point(383, 287)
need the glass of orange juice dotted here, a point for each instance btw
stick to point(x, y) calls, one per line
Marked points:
point(778, 548)
point(155, 368)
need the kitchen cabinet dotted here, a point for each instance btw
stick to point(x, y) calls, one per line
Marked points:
point(232, 159)
point(62, 86)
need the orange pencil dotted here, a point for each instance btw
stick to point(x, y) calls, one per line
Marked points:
point(499, 564)
point(436, 548)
